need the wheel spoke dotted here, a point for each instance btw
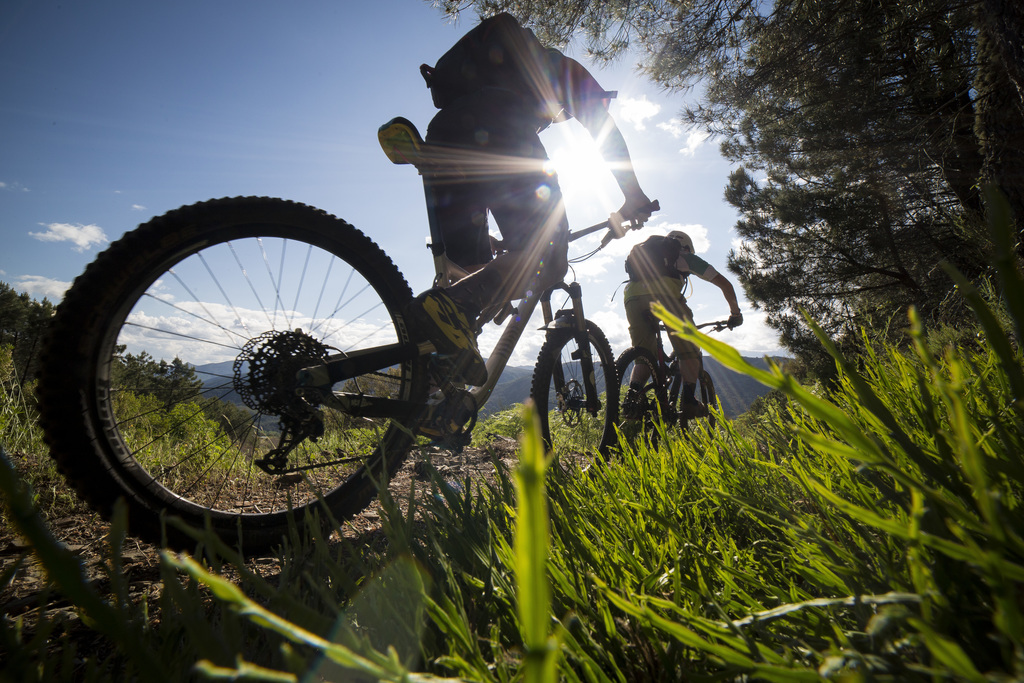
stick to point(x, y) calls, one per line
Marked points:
point(195, 358)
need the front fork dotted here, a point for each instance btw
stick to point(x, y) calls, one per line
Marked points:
point(578, 321)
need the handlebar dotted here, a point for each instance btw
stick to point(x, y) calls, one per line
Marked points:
point(576, 234)
point(717, 325)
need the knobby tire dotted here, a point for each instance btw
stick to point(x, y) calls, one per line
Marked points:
point(199, 284)
point(559, 349)
point(655, 399)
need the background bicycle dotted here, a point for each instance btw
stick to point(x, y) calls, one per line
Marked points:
point(659, 399)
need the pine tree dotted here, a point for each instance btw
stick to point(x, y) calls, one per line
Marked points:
point(865, 131)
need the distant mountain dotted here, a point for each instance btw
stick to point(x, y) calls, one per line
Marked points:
point(513, 387)
point(218, 380)
point(736, 391)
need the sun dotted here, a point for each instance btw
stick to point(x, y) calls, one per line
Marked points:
point(583, 174)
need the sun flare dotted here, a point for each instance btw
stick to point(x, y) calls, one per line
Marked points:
point(583, 174)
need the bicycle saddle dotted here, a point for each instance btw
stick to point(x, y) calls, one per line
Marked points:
point(401, 141)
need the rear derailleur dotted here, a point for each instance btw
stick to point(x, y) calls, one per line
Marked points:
point(294, 430)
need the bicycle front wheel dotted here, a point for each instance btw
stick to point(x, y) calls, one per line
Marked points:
point(169, 374)
point(557, 378)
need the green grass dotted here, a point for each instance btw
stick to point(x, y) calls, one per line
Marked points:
point(19, 432)
point(873, 531)
point(583, 435)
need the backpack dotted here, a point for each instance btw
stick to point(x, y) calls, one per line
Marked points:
point(498, 52)
point(653, 258)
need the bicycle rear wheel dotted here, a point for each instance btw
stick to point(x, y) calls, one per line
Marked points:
point(169, 372)
point(557, 379)
point(642, 415)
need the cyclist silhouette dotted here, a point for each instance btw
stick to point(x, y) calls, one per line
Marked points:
point(496, 89)
point(658, 268)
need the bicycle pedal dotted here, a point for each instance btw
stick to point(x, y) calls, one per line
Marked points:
point(431, 431)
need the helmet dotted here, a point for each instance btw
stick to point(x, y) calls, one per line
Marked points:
point(683, 239)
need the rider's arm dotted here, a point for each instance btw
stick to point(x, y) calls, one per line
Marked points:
point(692, 263)
point(585, 100)
point(735, 316)
point(723, 284)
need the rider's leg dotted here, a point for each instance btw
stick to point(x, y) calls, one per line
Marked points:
point(489, 158)
point(516, 273)
point(498, 165)
point(643, 334)
point(688, 356)
point(643, 325)
point(643, 331)
point(689, 370)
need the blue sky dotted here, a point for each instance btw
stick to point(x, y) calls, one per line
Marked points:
point(113, 112)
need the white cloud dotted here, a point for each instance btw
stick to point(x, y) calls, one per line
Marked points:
point(673, 127)
point(694, 139)
point(82, 236)
point(138, 207)
point(39, 286)
point(697, 232)
point(636, 111)
point(753, 337)
point(526, 350)
point(208, 332)
point(13, 187)
point(612, 321)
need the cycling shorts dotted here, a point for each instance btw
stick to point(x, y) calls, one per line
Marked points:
point(643, 324)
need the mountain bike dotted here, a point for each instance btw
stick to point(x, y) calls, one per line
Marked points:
point(659, 399)
point(301, 318)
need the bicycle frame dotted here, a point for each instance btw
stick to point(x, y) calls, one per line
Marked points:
point(499, 357)
point(670, 364)
point(315, 381)
point(403, 144)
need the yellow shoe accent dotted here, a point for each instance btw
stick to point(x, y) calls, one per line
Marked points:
point(443, 323)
